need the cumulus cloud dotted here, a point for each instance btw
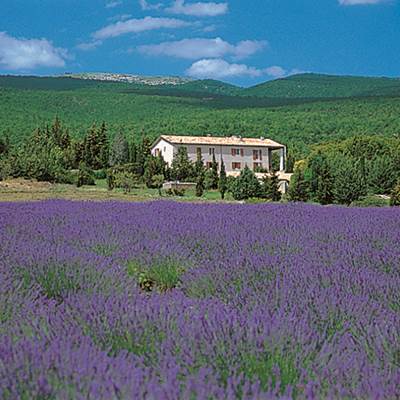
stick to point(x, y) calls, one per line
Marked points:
point(200, 9)
point(193, 49)
point(360, 2)
point(219, 69)
point(25, 54)
point(138, 25)
point(146, 6)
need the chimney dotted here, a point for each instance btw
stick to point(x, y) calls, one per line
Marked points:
point(262, 138)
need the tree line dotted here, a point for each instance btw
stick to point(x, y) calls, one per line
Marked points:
point(338, 172)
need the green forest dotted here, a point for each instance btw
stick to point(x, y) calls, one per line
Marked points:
point(27, 103)
point(342, 133)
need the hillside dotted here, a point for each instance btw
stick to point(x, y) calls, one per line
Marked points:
point(322, 86)
point(29, 102)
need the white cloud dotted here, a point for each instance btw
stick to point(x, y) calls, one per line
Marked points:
point(25, 54)
point(113, 4)
point(360, 2)
point(138, 25)
point(193, 49)
point(219, 69)
point(200, 9)
point(89, 45)
point(275, 71)
point(146, 6)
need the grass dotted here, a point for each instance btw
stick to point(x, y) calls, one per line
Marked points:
point(162, 275)
point(23, 190)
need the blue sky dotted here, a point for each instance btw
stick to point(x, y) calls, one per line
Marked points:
point(243, 42)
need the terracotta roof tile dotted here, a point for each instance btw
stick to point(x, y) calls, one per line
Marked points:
point(221, 141)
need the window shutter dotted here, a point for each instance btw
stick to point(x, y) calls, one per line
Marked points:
point(233, 152)
point(242, 152)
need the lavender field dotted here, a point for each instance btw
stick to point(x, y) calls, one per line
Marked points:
point(167, 300)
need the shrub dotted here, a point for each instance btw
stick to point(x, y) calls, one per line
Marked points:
point(100, 174)
point(395, 196)
point(370, 201)
point(85, 176)
point(246, 185)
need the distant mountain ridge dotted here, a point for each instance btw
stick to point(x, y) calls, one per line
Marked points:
point(301, 86)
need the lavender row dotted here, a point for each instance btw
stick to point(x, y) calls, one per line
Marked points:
point(168, 300)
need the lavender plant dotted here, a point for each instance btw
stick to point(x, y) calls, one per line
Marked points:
point(242, 301)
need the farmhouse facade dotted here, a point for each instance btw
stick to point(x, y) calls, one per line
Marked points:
point(235, 151)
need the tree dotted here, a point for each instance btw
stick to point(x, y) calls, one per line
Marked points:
point(85, 176)
point(298, 188)
point(40, 158)
point(223, 182)
point(96, 148)
point(270, 187)
point(119, 153)
point(158, 181)
point(199, 165)
point(155, 165)
point(382, 174)
point(200, 184)
point(125, 180)
point(142, 153)
point(214, 173)
point(181, 168)
point(60, 134)
point(246, 185)
point(349, 184)
point(319, 179)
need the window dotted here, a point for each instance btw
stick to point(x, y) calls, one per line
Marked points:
point(237, 152)
point(157, 152)
point(257, 154)
point(211, 151)
point(198, 151)
point(165, 149)
point(257, 166)
point(236, 165)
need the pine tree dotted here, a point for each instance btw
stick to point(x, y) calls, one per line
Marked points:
point(349, 184)
point(103, 153)
point(223, 182)
point(298, 187)
point(246, 185)
point(181, 168)
point(119, 153)
point(270, 187)
point(155, 165)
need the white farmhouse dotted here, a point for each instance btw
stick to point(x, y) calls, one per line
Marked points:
point(235, 151)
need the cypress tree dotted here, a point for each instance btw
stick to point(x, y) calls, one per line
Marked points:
point(214, 173)
point(200, 184)
point(223, 182)
point(298, 188)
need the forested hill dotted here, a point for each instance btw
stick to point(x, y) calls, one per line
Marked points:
point(323, 86)
point(205, 107)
